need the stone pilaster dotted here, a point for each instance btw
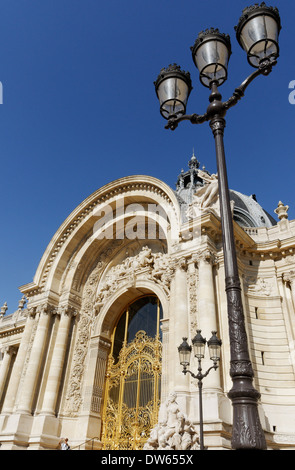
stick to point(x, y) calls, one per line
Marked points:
point(207, 319)
point(180, 325)
point(89, 422)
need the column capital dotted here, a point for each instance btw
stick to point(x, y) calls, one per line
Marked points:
point(289, 277)
point(31, 312)
point(181, 263)
point(46, 309)
point(206, 255)
point(11, 350)
point(67, 310)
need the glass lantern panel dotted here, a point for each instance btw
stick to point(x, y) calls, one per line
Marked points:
point(172, 88)
point(199, 350)
point(262, 30)
point(184, 357)
point(212, 59)
point(173, 94)
point(214, 352)
point(253, 31)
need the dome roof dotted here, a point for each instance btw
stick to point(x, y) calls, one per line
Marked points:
point(247, 211)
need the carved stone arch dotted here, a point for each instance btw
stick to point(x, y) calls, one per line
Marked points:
point(85, 261)
point(108, 315)
point(77, 230)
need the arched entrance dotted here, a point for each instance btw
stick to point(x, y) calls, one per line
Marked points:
point(132, 387)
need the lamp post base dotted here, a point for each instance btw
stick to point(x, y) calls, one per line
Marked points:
point(247, 433)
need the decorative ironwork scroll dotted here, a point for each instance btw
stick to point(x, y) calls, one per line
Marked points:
point(132, 393)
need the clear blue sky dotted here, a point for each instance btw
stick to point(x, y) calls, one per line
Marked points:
point(79, 110)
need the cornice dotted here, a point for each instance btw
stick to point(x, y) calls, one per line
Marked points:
point(210, 224)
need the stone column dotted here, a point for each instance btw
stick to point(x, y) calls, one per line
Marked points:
point(19, 364)
point(8, 351)
point(35, 361)
point(207, 320)
point(57, 361)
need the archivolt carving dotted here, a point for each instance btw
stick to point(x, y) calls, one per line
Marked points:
point(74, 396)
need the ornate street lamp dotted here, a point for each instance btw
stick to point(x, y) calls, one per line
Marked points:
point(173, 89)
point(184, 350)
point(257, 32)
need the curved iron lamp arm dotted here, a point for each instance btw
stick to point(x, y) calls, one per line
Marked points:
point(199, 375)
point(264, 69)
point(193, 118)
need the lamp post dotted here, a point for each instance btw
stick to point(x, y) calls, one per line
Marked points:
point(184, 351)
point(257, 32)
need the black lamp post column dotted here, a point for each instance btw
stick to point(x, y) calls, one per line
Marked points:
point(247, 432)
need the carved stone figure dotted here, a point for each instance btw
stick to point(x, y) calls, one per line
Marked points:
point(205, 197)
point(174, 431)
point(208, 194)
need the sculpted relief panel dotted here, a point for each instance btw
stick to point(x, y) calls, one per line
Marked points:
point(156, 267)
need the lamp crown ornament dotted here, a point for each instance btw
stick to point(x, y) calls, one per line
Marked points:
point(258, 9)
point(171, 70)
point(210, 33)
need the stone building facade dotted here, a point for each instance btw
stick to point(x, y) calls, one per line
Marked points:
point(91, 353)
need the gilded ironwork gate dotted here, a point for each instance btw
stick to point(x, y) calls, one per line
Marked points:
point(132, 389)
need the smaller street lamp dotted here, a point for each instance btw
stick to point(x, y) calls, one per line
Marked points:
point(199, 344)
